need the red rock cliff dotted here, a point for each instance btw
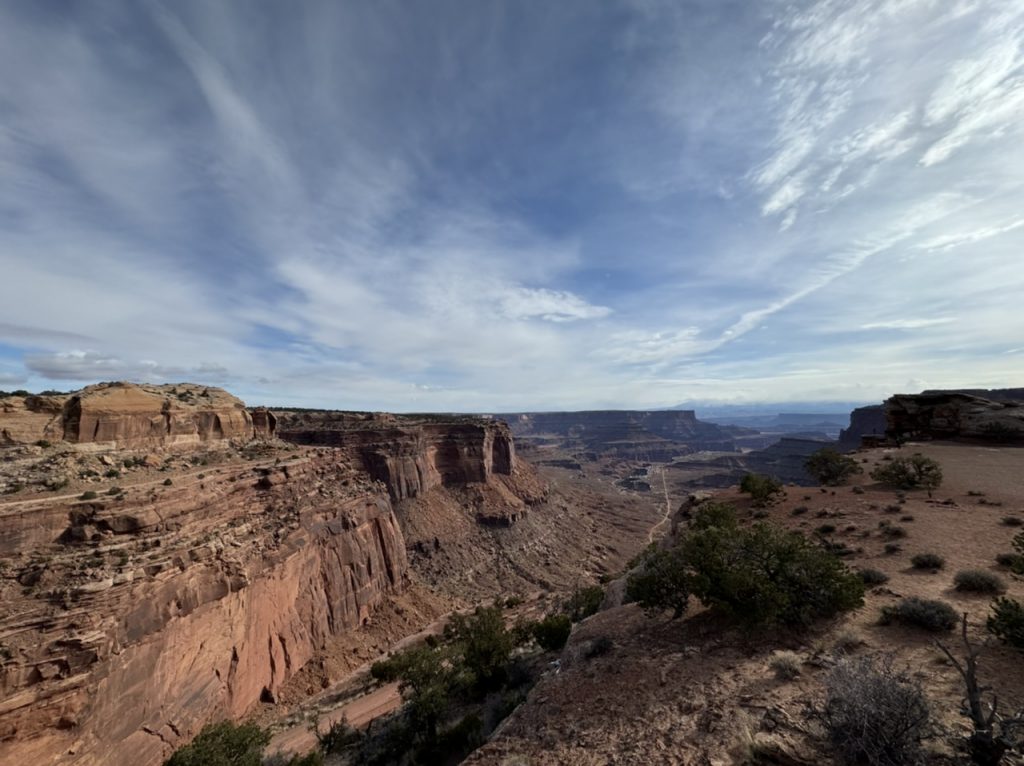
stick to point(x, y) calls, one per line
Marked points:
point(132, 416)
point(130, 623)
point(410, 456)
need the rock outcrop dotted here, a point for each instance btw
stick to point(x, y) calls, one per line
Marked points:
point(864, 421)
point(951, 414)
point(130, 621)
point(408, 454)
point(133, 416)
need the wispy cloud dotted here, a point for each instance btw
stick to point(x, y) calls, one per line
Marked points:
point(581, 204)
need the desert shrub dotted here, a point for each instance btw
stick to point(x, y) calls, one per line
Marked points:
point(826, 529)
point(1013, 521)
point(873, 576)
point(858, 490)
point(223, 744)
point(906, 518)
point(979, 581)
point(891, 531)
point(847, 641)
point(874, 713)
point(584, 602)
point(513, 601)
point(800, 510)
point(1002, 432)
point(712, 514)
point(168, 482)
point(927, 561)
point(337, 738)
point(762, 489)
point(891, 548)
point(112, 473)
point(914, 472)
point(552, 632)
point(785, 665)
point(43, 443)
point(483, 643)
point(114, 491)
point(661, 583)
point(831, 467)
point(88, 495)
point(1010, 560)
point(935, 616)
point(766, 575)
point(1007, 621)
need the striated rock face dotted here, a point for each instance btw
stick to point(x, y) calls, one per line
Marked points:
point(410, 456)
point(25, 420)
point(864, 421)
point(951, 414)
point(129, 622)
point(656, 435)
point(131, 416)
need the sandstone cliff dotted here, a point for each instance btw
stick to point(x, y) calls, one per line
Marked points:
point(132, 619)
point(409, 455)
point(951, 414)
point(128, 415)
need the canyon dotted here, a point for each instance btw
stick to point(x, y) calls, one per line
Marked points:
point(169, 557)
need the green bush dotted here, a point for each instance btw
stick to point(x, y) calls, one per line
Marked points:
point(914, 472)
point(935, 616)
point(1010, 560)
point(483, 643)
point(338, 737)
point(765, 575)
point(1007, 621)
point(662, 583)
point(830, 467)
point(927, 561)
point(762, 489)
point(979, 581)
point(88, 495)
point(223, 744)
point(552, 632)
point(584, 602)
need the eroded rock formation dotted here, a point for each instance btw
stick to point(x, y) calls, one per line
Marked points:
point(952, 414)
point(131, 621)
point(409, 455)
point(132, 416)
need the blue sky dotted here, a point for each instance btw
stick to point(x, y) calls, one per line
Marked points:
point(510, 205)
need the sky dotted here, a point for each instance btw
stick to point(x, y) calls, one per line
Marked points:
point(504, 206)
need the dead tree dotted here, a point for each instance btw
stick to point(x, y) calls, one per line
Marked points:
point(993, 733)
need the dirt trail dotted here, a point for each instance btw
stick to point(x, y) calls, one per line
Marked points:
point(668, 506)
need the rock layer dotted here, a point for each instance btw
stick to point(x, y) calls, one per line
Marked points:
point(131, 416)
point(408, 455)
point(151, 615)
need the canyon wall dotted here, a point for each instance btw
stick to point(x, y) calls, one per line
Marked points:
point(132, 416)
point(409, 455)
point(654, 435)
point(131, 621)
